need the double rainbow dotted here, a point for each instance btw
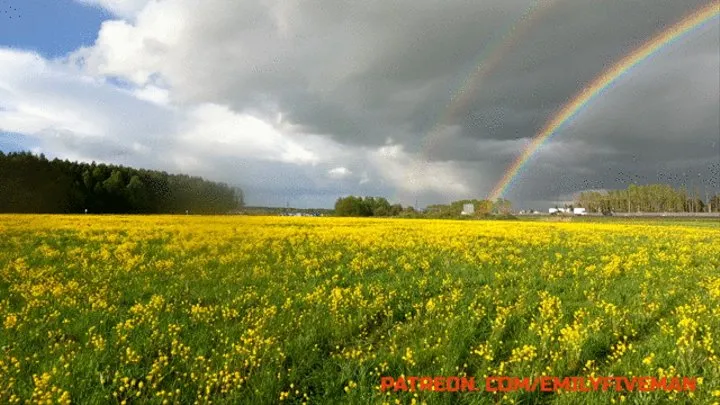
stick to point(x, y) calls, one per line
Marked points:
point(696, 20)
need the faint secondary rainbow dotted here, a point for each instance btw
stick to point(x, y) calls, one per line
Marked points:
point(486, 63)
point(488, 60)
point(569, 110)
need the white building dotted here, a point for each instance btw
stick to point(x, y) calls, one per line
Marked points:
point(468, 209)
point(576, 211)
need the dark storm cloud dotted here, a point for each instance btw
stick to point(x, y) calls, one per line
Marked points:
point(425, 52)
point(434, 48)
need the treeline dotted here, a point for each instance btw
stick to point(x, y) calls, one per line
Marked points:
point(649, 198)
point(353, 206)
point(34, 184)
point(482, 208)
point(260, 211)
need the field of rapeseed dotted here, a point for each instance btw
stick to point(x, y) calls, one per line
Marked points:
point(116, 309)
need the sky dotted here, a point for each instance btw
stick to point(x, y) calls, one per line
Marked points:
point(301, 102)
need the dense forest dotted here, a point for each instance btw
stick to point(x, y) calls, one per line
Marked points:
point(34, 184)
point(649, 198)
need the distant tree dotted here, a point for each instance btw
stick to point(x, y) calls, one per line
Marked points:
point(647, 198)
point(137, 194)
point(87, 179)
point(715, 203)
point(484, 207)
point(31, 183)
point(239, 197)
point(377, 206)
point(352, 206)
point(503, 206)
point(114, 186)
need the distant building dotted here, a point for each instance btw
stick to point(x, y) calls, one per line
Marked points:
point(298, 214)
point(575, 211)
point(468, 209)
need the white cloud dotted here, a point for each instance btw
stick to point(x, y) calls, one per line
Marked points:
point(56, 103)
point(339, 172)
point(29, 104)
point(364, 178)
point(153, 94)
point(138, 49)
point(409, 173)
point(215, 129)
point(122, 8)
point(34, 119)
point(83, 117)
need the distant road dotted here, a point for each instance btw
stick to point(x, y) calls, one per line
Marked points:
point(642, 215)
point(666, 214)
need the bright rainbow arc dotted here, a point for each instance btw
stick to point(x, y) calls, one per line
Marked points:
point(603, 81)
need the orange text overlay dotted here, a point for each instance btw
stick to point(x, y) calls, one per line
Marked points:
point(544, 384)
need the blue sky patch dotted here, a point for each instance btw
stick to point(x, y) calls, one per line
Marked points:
point(12, 142)
point(51, 28)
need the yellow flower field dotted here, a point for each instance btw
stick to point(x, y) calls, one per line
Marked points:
point(264, 310)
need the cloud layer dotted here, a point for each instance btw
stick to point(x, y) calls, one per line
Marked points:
point(307, 101)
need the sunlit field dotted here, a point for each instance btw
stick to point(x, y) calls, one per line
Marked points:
point(264, 310)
